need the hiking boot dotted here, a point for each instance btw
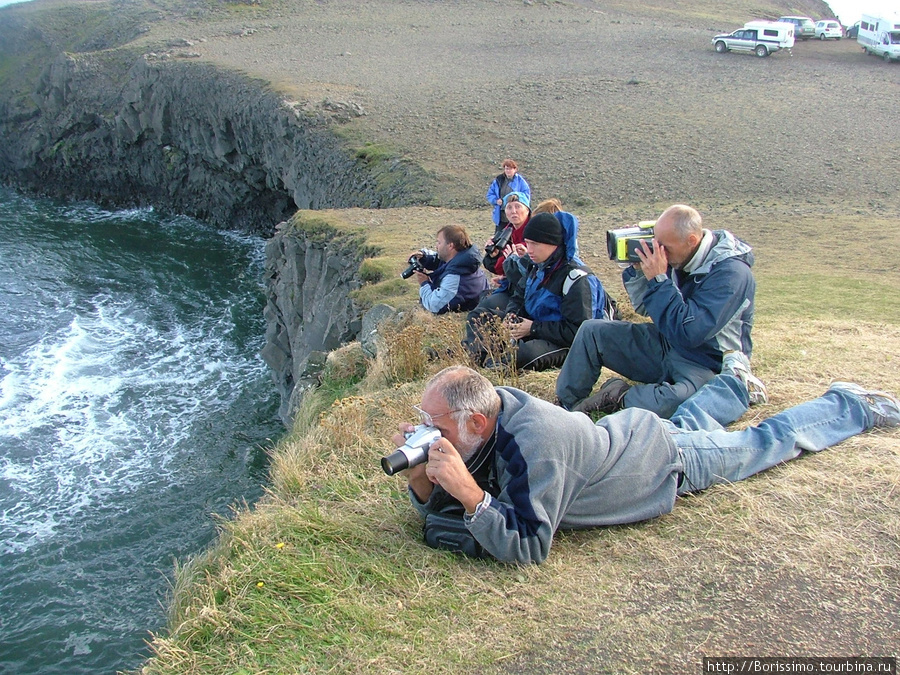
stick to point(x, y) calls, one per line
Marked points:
point(505, 362)
point(737, 364)
point(608, 399)
point(885, 408)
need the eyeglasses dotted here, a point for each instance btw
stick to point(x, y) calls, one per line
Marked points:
point(428, 419)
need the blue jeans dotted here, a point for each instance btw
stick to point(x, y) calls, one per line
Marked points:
point(636, 351)
point(711, 455)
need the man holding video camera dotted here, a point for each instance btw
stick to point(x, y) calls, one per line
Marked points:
point(509, 469)
point(697, 287)
point(450, 279)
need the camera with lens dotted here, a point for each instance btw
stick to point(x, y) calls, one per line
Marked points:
point(499, 241)
point(413, 452)
point(415, 265)
point(622, 244)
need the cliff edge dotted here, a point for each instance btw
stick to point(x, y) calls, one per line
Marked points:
point(97, 116)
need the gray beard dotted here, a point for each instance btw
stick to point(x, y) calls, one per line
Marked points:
point(468, 445)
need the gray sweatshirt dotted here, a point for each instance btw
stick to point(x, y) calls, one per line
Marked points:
point(556, 469)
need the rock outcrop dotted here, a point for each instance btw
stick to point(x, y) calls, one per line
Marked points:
point(311, 270)
point(190, 139)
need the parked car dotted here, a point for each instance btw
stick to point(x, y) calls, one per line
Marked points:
point(829, 28)
point(805, 27)
point(853, 31)
point(760, 37)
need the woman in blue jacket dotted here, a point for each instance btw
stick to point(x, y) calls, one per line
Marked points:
point(506, 182)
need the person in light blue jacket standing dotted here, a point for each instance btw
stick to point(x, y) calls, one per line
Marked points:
point(505, 183)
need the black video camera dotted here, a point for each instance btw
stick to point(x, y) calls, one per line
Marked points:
point(499, 242)
point(414, 266)
point(621, 244)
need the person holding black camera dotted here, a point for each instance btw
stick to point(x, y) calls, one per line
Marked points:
point(557, 294)
point(507, 240)
point(510, 469)
point(698, 288)
point(450, 279)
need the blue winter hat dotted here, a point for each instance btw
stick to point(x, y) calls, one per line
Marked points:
point(520, 196)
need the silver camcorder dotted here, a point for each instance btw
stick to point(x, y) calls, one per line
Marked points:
point(413, 452)
point(621, 244)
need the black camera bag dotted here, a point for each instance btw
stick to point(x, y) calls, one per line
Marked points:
point(446, 530)
point(444, 525)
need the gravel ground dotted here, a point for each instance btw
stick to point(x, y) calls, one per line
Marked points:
point(599, 107)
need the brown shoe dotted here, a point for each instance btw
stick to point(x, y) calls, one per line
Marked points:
point(608, 399)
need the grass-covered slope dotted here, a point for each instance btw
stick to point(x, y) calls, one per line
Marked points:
point(329, 574)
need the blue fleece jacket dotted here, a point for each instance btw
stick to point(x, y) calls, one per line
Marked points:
point(556, 469)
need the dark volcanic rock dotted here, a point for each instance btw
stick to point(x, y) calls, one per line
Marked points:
point(187, 138)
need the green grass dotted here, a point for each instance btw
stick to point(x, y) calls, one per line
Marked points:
point(329, 573)
point(820, 295)
point(375, 153)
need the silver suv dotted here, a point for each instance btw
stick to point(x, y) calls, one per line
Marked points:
point(805, 27)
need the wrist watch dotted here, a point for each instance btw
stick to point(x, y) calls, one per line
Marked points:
point(659, 278)
point(482, 505)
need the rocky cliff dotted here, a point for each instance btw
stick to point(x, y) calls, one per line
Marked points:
point(83, 116)
point(311, 267)
point(187, 138)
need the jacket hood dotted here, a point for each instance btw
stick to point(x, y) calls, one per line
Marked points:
point(466, 261)
point(570, 234)
point(726, 246)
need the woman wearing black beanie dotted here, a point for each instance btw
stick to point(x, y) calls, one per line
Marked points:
point(543, 313)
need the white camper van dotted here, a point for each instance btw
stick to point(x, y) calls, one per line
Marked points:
point(880, 35)
point(760, 37)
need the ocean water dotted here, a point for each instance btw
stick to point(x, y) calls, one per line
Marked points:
point(133, 407)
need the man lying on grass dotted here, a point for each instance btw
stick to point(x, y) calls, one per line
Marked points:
point(521, 467)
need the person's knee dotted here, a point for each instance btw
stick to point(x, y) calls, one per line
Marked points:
point(539, 355)
point(593, 331)
point(661, 399)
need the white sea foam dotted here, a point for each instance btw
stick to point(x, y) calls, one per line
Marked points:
point(105, 405)
point(132, 405)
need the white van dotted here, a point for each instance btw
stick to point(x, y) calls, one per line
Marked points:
point(880, 35)
point(760, 37)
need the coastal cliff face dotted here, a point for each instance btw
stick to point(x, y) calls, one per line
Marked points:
point(187, 138)
point(160, 129)
point(309, 273)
